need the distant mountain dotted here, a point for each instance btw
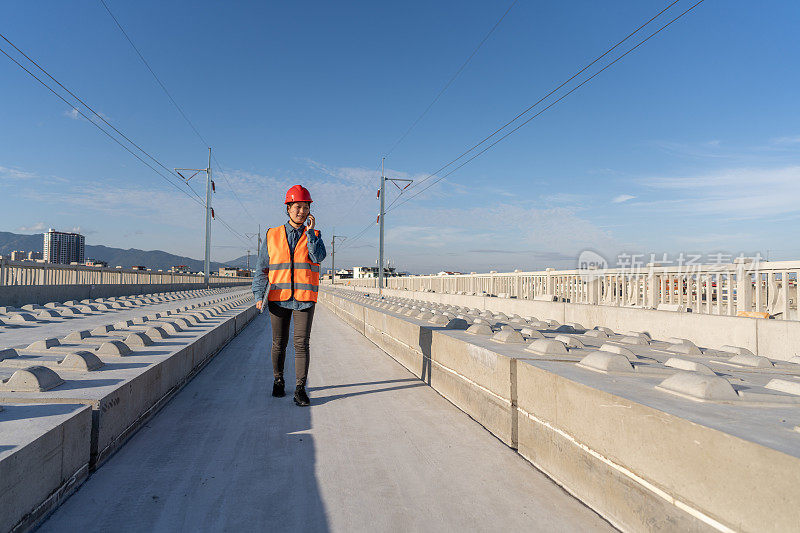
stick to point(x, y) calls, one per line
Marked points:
point(241, 262)
point(153, 259)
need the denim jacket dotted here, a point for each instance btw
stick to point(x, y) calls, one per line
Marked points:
point(316, 252)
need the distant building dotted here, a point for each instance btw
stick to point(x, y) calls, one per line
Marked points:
point(96, 263)
point(139, 267)
point(448, 273)
point(63, 248)
point(19, 255)
point(234, 272)
point(344, 273)
point(180, 268)
point(34, 256)
point(362, 272)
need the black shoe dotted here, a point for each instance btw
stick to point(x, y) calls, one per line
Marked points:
point(300, 397)
point(278, 388)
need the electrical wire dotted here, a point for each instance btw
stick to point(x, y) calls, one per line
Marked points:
point(134, 154)
point(543, 98)
point(198, 200)
point(436, 99)
point(177, 106)
point(450, 81)
point(87, 106)
point(640, 43)
point(584, 82)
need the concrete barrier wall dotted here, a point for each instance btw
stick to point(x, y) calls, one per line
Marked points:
point(632, 459)
point(19, 295)
point(94, 413)
point(778, 339)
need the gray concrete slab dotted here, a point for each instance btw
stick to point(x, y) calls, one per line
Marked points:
point(16, 334)
point(377, 450)
point(42, 458)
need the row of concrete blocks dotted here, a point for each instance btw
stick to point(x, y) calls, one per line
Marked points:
point(81, 350)
point(34, 313)
point(57, 427)
point(701, 369)
point(644, 462)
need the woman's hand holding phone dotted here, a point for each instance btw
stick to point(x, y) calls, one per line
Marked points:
point(310, 222)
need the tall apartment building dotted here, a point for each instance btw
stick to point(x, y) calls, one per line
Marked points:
point(63, 248)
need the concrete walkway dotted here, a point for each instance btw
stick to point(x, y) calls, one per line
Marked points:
point(378, 450)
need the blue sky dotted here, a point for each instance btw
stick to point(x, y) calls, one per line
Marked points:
point(689, 144)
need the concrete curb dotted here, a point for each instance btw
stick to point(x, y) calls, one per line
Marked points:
point(643, 462)
point(102, 412)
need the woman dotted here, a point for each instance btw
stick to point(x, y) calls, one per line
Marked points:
point(289, 260)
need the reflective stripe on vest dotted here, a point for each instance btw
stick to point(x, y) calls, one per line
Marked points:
point(291, 275)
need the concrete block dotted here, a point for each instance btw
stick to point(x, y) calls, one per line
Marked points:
point(156, 333)
point(44, 344)
point(480, 329)
point(633, 340)
point(138, 339)
point(699, 387)
point(508, 335)
point(20, 318)
point(439, 320)
point(547, 347)
point(45, 314)
point(102, 330)
point(690, 366)
point(738, 350)
point(606, 362)
point(457, 323)
point(531, 333)
point(569, 341)
point(784, 385)
point(754, 361)
point(31, 379)
point(77, 335)
point(114, 349)
point(686, 348)
point(617, 349)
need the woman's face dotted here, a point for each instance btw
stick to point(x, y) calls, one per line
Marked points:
point(298, 212)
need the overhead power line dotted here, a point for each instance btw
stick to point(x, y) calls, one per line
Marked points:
point(196, 198)
point(640, 43)
point(562, 97)
point(543, 98)
point(450, 81)
point(178, 107)
point(134, 154)
point(87, 106)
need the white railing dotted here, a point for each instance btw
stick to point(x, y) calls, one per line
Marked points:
point(743, 288)
point(29, 273)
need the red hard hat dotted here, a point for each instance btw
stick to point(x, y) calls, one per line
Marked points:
point(298, 193)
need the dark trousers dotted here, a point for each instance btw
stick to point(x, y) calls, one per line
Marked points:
point(280, 317)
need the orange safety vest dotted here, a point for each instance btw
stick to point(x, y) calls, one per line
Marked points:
point(291, 276)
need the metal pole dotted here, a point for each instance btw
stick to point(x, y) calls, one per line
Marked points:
point(333, 260)
point(259, 239)
point(207, 271)
point(380, 218)
point(248, 259)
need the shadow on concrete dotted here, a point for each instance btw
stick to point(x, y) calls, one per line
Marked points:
point(19, 412)
point(425, 340)
point(319, 400)
point(222, 455)
point(86, 383)
point(4, 448)
point(359, 384)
